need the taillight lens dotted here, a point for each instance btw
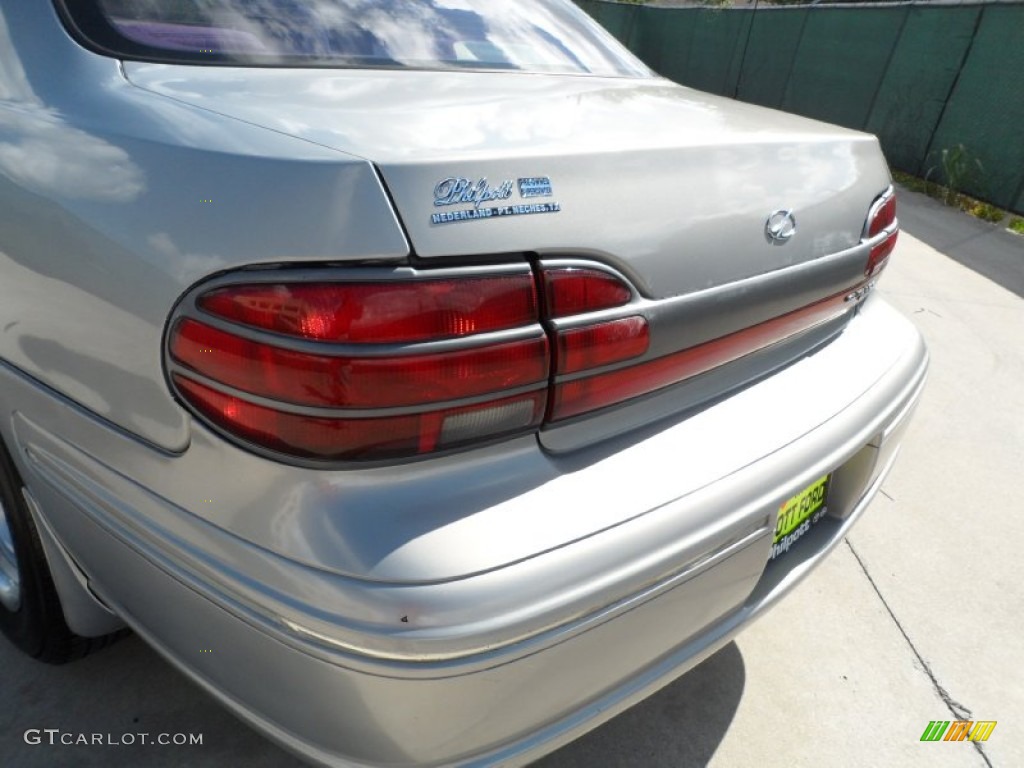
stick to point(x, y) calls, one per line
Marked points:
point(407, 366)
point(383, 312)
point(882, 219)
point(351, 371)
point(579, 396)
point(353, 381)
point(351, 439)
point(575, 291)
point(594, 346)
point(879, 255)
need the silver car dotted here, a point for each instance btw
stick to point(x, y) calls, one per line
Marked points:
point(426, 379)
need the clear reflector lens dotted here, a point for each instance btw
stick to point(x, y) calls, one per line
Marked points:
point(511, 416)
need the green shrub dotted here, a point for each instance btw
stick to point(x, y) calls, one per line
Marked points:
point(980, 210)
point(960, 169)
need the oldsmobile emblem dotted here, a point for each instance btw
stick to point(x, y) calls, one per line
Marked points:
point(780, 227)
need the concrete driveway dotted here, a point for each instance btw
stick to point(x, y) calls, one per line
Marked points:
point(918, 617)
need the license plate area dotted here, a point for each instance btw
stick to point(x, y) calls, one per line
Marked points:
point(798, 514)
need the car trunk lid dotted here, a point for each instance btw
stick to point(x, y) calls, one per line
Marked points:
point(671, 186)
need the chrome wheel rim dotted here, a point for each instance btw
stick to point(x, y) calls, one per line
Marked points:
point(10, 580)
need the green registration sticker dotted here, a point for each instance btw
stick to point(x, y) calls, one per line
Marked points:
point(798, 514)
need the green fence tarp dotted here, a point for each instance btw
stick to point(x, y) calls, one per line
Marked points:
point(840, 61)
point(922, 77)
point(705, 53)
point(919, 81)
point(986, 109)
point(617, 18)
point(770, 54)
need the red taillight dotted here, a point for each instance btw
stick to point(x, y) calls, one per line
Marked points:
point(879, 255)
point(380, 312)
point(350, 439)
point(337, 381)
point(575, 290)
point(882, 220)
point(347, 371)
point(407, 366)
point(594, 346)
point(884, 217)
point(582, 395)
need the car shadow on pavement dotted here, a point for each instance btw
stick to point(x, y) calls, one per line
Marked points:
point(118, 694)
point(129, 690)
point(681, 726)
point(988, 249)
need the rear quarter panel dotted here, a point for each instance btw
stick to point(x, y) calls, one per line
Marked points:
point(114, 201)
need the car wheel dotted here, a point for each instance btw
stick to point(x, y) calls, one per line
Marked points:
point(30, 612)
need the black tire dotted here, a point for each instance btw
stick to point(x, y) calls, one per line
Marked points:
point(36, 625)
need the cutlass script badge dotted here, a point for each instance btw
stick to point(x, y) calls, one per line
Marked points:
point(458, 191)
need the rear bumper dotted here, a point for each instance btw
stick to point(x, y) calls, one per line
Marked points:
point(506, 663)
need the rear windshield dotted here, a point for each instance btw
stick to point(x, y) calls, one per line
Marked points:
point(527, 35)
